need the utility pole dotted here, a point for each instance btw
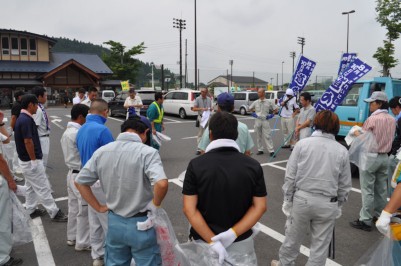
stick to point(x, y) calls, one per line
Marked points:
point(347, 13)
point(292, 55)
point(253, 79)
point(162, 66)
point(282, 75)
point(231, 62)
point(186, 66)
point(180, 25)
point(277, 82)
point(196, 55)
point(228, 83)
point(301, 41)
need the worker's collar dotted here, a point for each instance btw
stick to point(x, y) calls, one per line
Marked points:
point(220, 143)
point(74, 124)
point(319, 133)
point(129, 136)
point(379, 111)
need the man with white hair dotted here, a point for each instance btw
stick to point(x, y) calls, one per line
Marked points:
point(202, 103)
point(289, 108)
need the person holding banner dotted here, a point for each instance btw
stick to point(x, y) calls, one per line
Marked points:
point(263, 111)
point(374, 179)
point(317, 183)
point(303, 128)
point(155, 114)
point(133, 102)
point(288, 111)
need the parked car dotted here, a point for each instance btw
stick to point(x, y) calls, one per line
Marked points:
point(274, 96)
point(116, 106)
point(107, 95)
point(180, 102)
point(242, 101)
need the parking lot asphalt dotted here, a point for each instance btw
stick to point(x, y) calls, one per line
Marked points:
point(49, 245)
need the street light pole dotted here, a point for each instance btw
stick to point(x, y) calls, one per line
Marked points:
point(301, 41)
point(282, 75)
point(196, 55)
point(231, 79)
point(347, 13)
point(292, 55)
point(180, 25)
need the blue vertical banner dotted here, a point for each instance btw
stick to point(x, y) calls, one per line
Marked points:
point(346, 60)
point(337, 91)
point(302, 74)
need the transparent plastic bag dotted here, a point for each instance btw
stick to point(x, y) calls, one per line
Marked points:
point(22, 223)
point(385, 252)
point(363, 150)
point(200, 254)
point(171, 252)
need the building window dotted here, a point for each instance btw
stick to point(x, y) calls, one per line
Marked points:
point(5, 46)
point(32, 46)
point(24, 46)
point(14, 46)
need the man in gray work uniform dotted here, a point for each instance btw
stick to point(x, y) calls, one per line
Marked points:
point(263, 111)
point(303, 128)
point(202, 104)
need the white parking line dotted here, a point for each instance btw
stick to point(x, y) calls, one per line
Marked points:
point(41, 244)
point(169, 119)
point(115, 119)
point(270, 232)
point(194, 137)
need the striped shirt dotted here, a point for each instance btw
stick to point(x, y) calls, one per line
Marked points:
point(382, 125)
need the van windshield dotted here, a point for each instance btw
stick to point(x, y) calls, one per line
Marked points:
point(353, 95)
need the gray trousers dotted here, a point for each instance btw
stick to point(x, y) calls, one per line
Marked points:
point(98, 224)
point(374, 188)
point(309, 211)
point(5, 222)
point(78, 222)
point(392, 164)
point(263, 132)
point(201, 130)
point(287, 126)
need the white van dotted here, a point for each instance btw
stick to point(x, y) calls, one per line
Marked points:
point(107, 95)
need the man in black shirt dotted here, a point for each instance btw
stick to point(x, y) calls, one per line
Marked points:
point(395, 107)
point(224, 191)
point(16, 108)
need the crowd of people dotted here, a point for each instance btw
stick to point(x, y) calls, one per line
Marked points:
point(109, 181)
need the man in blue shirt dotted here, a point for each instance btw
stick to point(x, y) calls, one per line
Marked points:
point(91, 136)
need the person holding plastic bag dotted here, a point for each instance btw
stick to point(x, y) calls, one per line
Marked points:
point(126, 168)
point(374, 179)
point(224, 192)
point(7, 183)
point(317, 183)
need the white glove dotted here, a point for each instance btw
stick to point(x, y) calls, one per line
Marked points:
point(226, 238)
point(339, 212)
point(151, 207)
point(383, 223)
point(34, 165)
point(219, 249)
point(287, 208)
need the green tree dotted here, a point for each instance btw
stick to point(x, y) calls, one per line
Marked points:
point(389, 16)
point(122, 61)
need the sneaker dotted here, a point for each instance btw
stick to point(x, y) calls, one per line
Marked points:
point(286, 147)
point(83, 248)
point(37, 213)
point(18, 171)
point(272, 154)
point(259, 153)
point(98, 262)
point(374, 219)
point(71, 243)
point(18, 179)
point(275, 263)
point(361, 225)
point(13, 262)
point(60, 217)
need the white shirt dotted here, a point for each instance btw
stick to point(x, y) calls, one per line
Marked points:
point(69, 146)
point(291, 104)
point(40, 122)
point(87, 102)
point(136, 101)
point(320, 165)
point(77, 100)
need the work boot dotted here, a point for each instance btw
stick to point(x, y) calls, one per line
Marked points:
point(98, 262)
point(13, 262)
point(37, 213)
point(272, 154)
point(259, 153)
point(60, 217)
point(361, 225)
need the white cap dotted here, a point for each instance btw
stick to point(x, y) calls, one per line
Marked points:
point(289, 92)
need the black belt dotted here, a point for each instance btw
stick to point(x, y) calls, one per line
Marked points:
point(48, 135)
point(75, 171)
point(140, 214)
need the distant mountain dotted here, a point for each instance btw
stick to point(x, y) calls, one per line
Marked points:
point(67, 45)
